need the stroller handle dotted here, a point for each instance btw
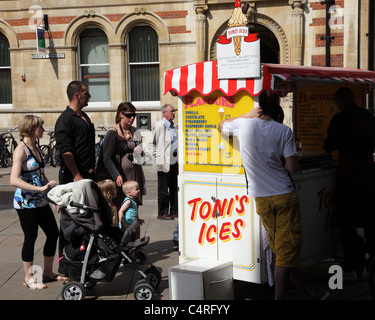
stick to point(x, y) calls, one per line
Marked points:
point(83, 206)
point(129, 232)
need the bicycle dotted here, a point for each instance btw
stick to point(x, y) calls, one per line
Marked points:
point(50, 152)
point(45, 152)
point(99, 144)
point(7, 146)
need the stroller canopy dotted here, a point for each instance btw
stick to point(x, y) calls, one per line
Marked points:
point(86, 193)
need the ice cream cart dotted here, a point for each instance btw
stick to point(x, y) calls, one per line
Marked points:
point(217, 220)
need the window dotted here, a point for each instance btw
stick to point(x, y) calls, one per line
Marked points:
point(143, 62)
point(5, 79)
point(94, 64)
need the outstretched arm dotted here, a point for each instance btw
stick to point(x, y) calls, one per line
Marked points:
point(253, 113)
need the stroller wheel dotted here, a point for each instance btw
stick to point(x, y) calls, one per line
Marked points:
point(143, 291)
point(153, 277)
point(73, 291)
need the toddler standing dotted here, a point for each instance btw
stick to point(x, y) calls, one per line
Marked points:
point(129, 207)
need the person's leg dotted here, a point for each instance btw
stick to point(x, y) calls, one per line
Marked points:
point(299, 282)
point(48, 224)
point(348, 237)
point(173, 189)
point(288, 242)
point(281, 281)
point(29, 224)
point(163, 194)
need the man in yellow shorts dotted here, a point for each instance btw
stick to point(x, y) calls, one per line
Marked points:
point(269, 156)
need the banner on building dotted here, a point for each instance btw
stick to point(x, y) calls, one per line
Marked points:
point(40, 40)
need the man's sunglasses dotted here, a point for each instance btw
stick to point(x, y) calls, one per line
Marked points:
point(129, 115)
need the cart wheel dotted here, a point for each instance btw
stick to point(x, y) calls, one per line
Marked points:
point(73, 291)
point(371, 278)
point(143, 291)
point(153, 277)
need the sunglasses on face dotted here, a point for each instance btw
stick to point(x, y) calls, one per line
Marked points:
point(129, 115)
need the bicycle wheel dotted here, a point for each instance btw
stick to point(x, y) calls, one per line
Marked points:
point(45, 153)
point(4, 157)
point(55, 156)
point(371, 278)
point(97, 152)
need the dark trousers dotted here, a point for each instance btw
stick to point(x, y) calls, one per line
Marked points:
point(65, 175)
point(167, 191)
point(355, 208)
point(355, 247)
point(30, 220)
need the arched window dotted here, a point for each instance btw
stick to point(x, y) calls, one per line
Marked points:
point(269, 46)
point(94, 65)
point(143, 65)
point(5, 78)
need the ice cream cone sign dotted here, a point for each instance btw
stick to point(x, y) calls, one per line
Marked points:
point(238, 49)
point(238, 19)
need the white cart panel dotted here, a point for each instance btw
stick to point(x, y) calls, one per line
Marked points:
point(218, 220)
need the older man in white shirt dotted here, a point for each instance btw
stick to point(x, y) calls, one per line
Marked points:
point(165, 163)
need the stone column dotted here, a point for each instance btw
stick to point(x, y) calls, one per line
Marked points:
point(297, 31)
point(201, 31)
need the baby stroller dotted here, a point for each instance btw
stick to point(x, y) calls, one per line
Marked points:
point(95, 249)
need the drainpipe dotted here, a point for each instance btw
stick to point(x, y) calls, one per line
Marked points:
point(328, 37)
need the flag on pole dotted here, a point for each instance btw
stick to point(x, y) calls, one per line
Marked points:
point(41, 39)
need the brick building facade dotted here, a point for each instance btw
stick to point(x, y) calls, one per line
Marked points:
point(98, 43)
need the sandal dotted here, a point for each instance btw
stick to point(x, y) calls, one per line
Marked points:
point(33, 285)
point(55, 277)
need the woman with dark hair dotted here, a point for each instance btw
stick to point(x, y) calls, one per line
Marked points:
point(121, 148)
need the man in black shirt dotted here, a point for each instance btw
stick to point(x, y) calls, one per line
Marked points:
point(75, 137)
point(352, 132)
point(75, 140)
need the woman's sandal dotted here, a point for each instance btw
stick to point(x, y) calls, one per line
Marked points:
point(55, 277)
point(33, 285)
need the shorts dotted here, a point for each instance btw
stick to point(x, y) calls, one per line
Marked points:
point(281, 219)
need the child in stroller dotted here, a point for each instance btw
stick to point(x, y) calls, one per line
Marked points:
point(95, 248)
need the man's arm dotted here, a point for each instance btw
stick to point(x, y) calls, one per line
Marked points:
point(331, 142)
point(71, 164)
point(253, 113)
point(291, 164)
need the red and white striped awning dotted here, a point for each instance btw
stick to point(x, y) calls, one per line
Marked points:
point(202, 77)
point(303, 74)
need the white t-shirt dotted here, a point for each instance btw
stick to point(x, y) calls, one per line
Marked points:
point(263, 143)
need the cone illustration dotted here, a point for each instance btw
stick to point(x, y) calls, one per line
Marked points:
point(221, 112)
point(238, 19)
point(237, 40)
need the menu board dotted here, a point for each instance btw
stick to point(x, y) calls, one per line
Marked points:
point(205, 149)
point(315, 107)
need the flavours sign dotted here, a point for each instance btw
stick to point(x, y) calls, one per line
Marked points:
point(206, 150)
